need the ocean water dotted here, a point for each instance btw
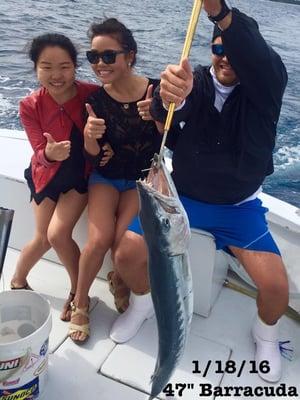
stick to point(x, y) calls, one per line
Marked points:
point(159, 28)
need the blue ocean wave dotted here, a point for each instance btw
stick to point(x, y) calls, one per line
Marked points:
point(159, 28)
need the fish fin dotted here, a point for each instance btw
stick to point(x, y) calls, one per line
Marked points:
point(154, 373)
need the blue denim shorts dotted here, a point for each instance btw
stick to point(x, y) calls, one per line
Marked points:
point(243, 226)
point(121, 185)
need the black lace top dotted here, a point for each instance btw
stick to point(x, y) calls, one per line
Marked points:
point(133, 140)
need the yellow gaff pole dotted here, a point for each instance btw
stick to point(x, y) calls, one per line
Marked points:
point(185, 53)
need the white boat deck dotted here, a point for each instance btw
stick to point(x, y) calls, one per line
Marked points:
point(101, 369)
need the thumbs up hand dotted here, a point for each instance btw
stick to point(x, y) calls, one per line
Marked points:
point(90, 110)
point(144, 105)
point(56, 151)
point(94, 127)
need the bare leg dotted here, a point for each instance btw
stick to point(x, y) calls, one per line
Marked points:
point(35, 249)
point(102, 205)
point(129, 251)
point(127, 209)
point(67, 212)
point(130, 260)
point(269, 275)
point(119, 289)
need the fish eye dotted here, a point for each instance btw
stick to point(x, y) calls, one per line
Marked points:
point(166, 222)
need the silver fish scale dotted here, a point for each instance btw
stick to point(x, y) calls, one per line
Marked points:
point(167, 234)
point(171, 321)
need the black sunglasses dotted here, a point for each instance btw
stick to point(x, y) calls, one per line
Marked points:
point(107, 56)
point(218, 50)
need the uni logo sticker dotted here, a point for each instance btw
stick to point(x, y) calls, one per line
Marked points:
point(10, 364)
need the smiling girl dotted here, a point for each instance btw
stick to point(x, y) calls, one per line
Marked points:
point(119, 114)
point(53, 119)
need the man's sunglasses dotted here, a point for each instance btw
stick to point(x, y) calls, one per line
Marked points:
point(107, 56)
point(218, 50)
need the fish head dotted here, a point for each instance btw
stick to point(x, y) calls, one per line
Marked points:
point(163, 218)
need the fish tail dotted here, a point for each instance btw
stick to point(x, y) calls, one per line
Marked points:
point(159, 380)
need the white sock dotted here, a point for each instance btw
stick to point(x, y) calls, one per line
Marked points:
point(127, 324)
point(267, 349)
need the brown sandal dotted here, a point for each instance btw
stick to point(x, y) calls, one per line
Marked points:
point(85, 328)
point(67, 309)
point(119, 290)
point(25, 287)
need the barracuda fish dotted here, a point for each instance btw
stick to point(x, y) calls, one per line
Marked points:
point(167, 234)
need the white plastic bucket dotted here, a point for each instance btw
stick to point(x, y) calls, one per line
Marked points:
point(25, 324)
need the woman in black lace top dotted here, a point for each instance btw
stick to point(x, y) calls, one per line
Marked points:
point(117, 115)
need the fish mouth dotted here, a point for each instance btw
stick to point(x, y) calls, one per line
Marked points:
point(161, 209)
point(156, 180)
point(157, 186)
